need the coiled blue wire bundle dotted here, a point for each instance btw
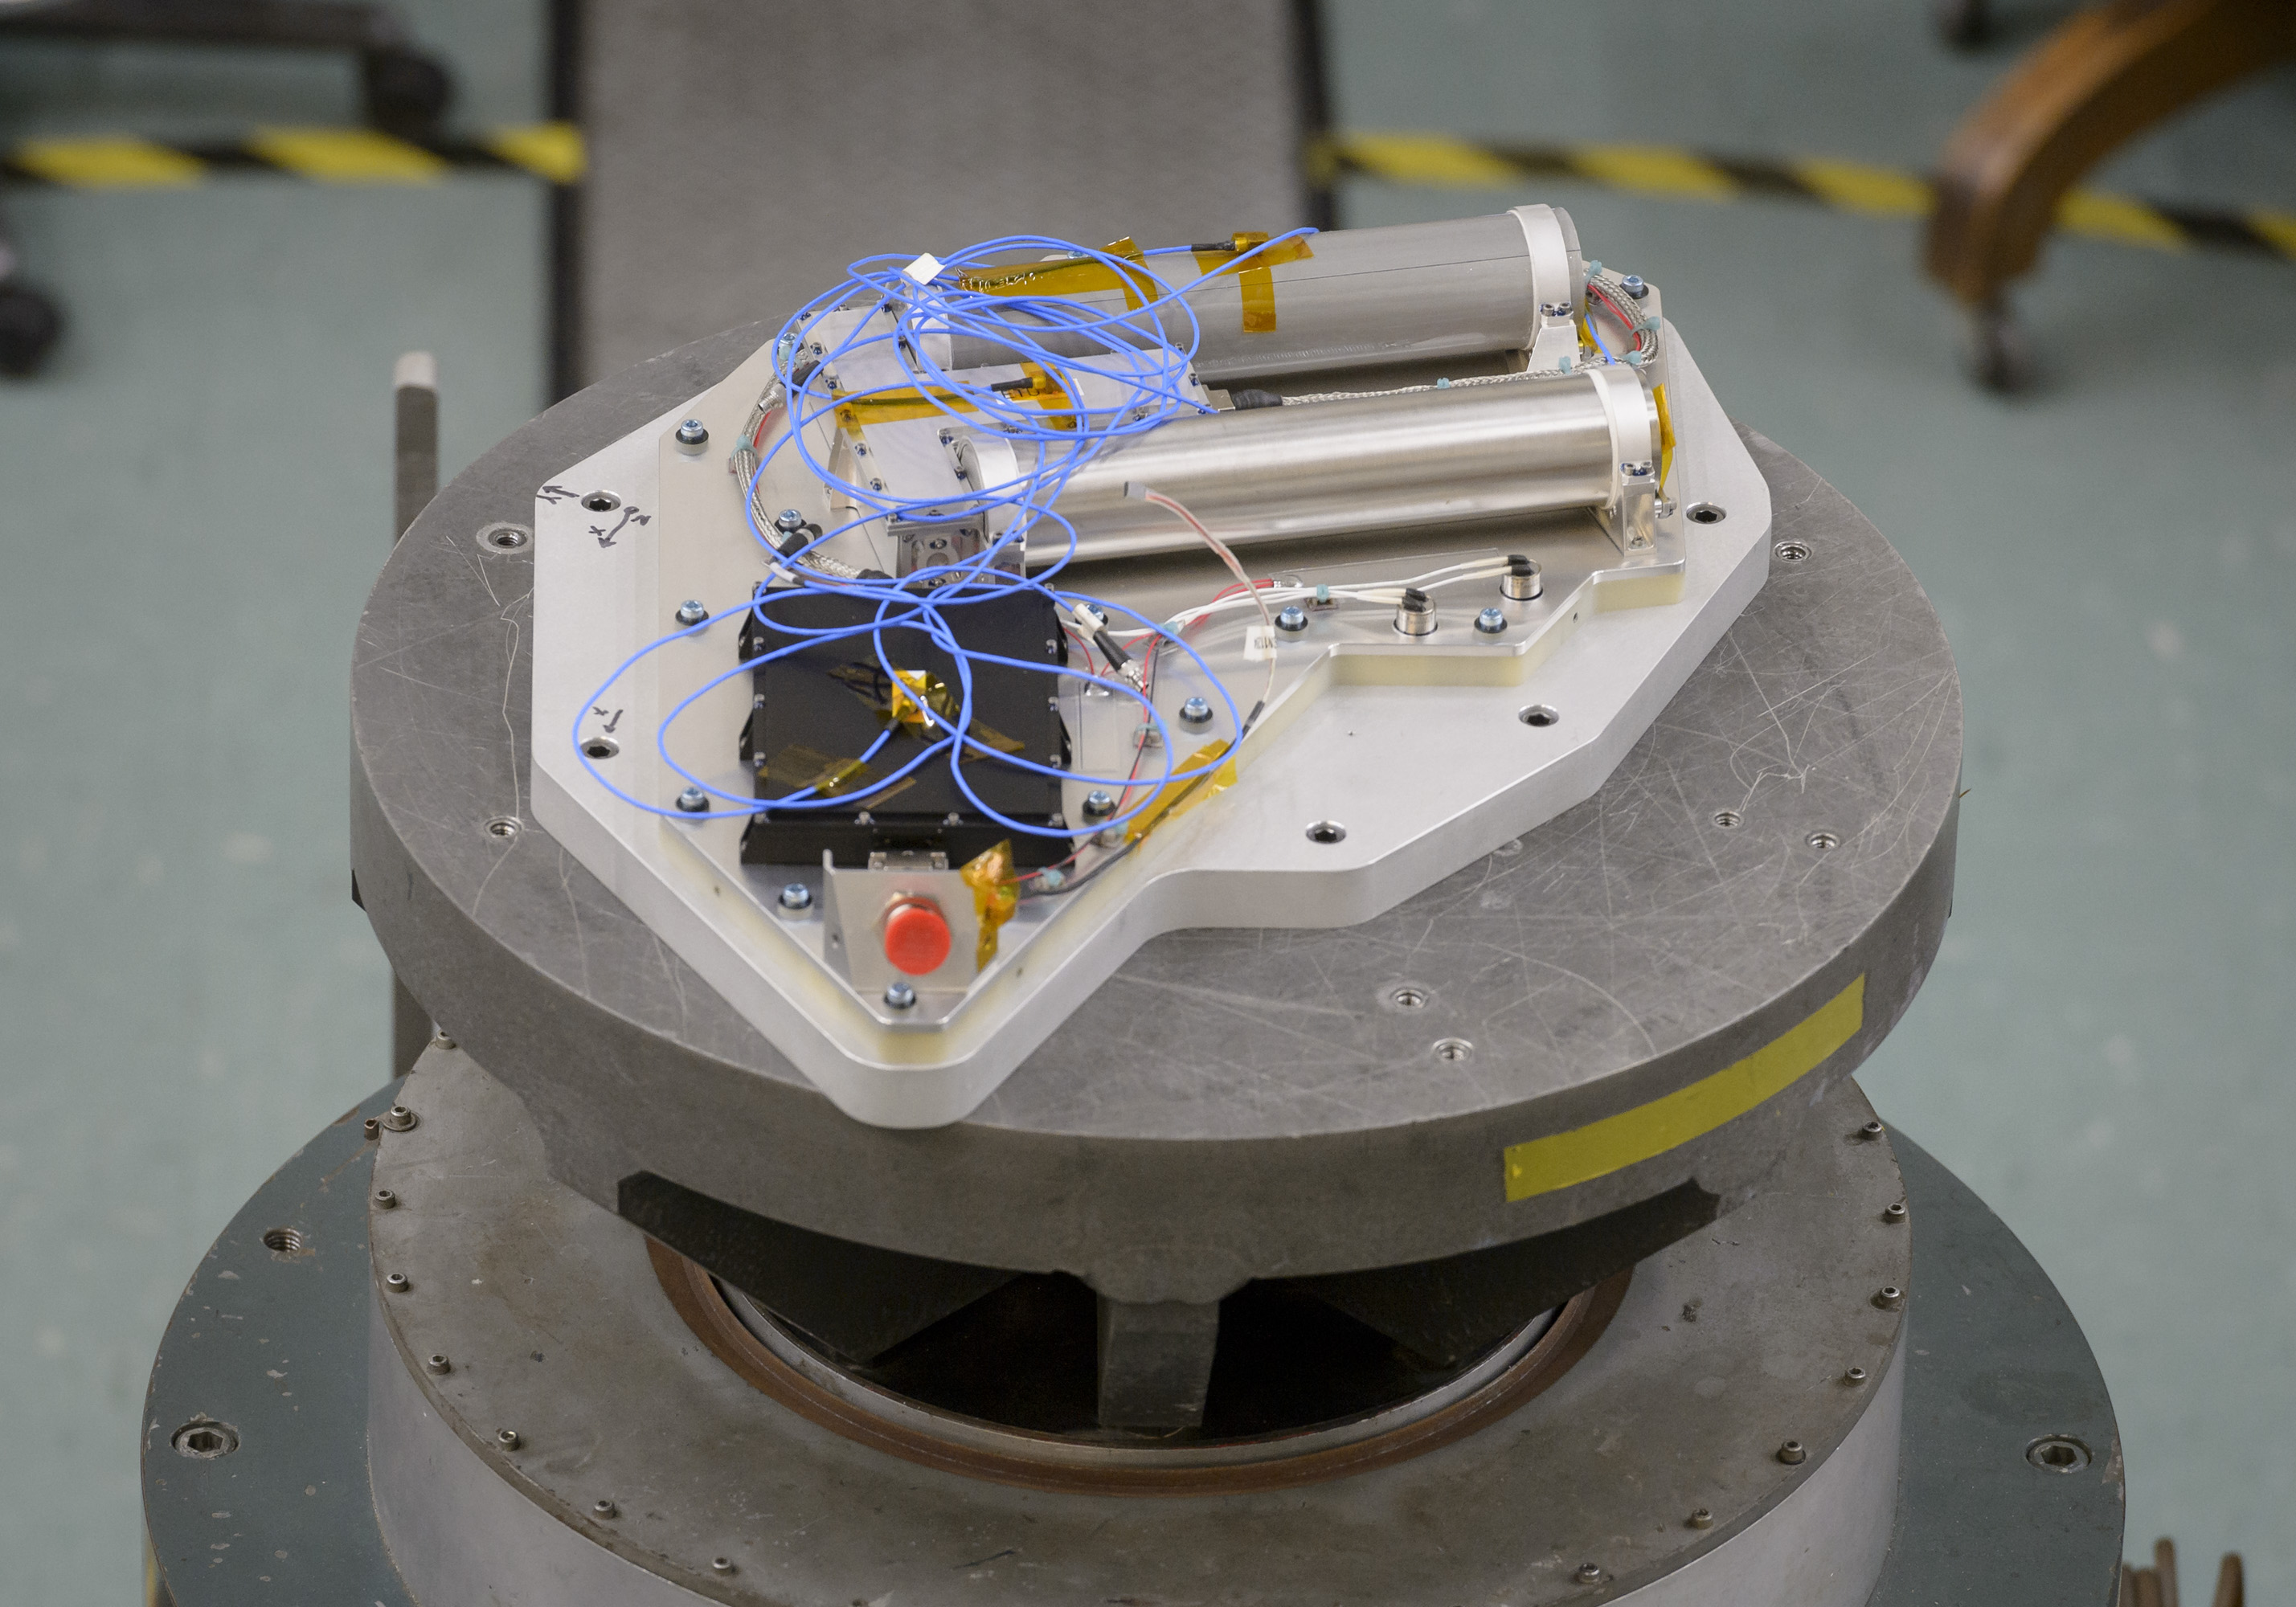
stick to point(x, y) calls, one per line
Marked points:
point(909, 306)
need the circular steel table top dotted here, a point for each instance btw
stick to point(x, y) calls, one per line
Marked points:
point(1231, 1103)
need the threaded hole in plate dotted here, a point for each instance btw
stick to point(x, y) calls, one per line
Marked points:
point(1729, 819)
point(205, 1441)
point(285, 1240)
point(1791, 551)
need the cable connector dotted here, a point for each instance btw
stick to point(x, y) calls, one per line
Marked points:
point(1095, 624)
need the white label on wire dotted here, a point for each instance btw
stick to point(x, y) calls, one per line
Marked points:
point(924, 269)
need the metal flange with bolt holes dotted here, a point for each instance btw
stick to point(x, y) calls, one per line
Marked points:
point(1233, 1102)
point(2009, 1486)
point(1726, 1344)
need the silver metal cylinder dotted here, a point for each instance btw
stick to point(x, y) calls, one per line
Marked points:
point(1420, 292)
point(1365, 465)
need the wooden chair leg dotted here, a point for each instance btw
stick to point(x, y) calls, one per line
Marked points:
point(2101, 79)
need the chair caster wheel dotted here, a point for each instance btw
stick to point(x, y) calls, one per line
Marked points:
point(30, 326)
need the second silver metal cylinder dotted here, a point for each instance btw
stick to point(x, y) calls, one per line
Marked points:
point(1369, 464)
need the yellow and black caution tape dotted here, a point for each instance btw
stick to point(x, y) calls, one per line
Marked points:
point(554, 151)
point(1678, 173)
point(339, 156)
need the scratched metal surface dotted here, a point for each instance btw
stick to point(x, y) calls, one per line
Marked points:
point(1231, 1103)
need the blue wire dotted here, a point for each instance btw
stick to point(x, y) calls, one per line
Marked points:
point(1137, 354)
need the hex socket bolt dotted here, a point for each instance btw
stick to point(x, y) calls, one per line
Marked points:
point(1414, 616)
point(1522, 580)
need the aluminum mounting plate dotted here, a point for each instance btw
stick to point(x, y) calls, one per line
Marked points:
point(1418, 752)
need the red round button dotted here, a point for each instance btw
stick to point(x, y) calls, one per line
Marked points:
point(916, 937)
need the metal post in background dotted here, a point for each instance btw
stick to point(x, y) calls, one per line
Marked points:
point(565, 71)
point(414, 481)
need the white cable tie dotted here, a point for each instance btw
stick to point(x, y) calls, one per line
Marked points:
point(924, 270)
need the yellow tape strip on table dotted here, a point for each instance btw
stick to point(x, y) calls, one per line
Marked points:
point(1540, 1166)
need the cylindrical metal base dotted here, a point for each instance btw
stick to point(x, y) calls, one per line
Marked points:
point(272, 1346)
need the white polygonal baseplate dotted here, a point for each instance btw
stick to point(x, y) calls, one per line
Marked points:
point(1423, 759)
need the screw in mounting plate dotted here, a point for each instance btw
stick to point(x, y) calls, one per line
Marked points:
point(1589, 1573)
point(900, 995)
point(439, 1040)
point(507, 1438)
point(1291, 618)
point(1099, 805)
point(692, 435)
point(796, 896)
point(1195, 711)
point(721, 1565)
point(1888, 1296)
point(789, 521)
point(399, 1119)
point(1702, 1518)
point(384, 1200)
point(437, 1365)
point(1872, 1129)
point(1491, 622)
point(397, 1283)
point(603, 1508)
point(1791, 1454)
point(694, 800)
point(1635, 286)
point(373, 1127)
point(691, 612)
point(1855, 1375)
point(1895, 1213)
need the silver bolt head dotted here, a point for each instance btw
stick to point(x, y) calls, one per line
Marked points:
point(1701, 1519)
point(1872, 1129)
point(1195, 711)
point(384, 1200)
point(1791, 1454)
point(437, 1365)
point(1855, 1375)
point(1491, 622)
point(693, 434)
point(796, 896)
point(399, 1119)
point(721, 1564)
point(1890, 1297)
point(694, 800)
point(900, 995)
point(1099, 805)
point(691, 612)
point(1895, 1213)
point(507, 1438)
point(1634, 285)
point(789, 520)
point(1590, 1573)
point(397, 1283)
point(1293, 619)
point(603, 1509)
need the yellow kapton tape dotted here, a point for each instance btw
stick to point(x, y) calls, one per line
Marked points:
point(1540, 1166)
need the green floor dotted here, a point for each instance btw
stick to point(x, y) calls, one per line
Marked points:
point(194, 501)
